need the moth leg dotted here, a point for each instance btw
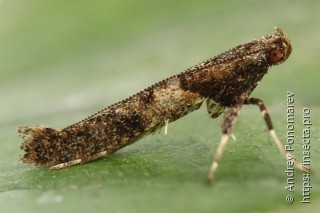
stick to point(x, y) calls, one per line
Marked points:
point(78, 161)
point(214, 109)
point(267, 119)
point(228, 122)
point(66, 164)
point(166, 126)
point(97, 156)
point(158, 128)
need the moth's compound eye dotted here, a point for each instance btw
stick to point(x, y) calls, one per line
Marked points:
point(275, 56)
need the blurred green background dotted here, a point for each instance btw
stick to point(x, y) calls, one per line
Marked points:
point(60, 61)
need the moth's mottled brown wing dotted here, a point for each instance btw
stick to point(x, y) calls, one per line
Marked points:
point(222, 80)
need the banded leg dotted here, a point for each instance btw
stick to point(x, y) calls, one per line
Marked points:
point(228, 122)
point(267, 119)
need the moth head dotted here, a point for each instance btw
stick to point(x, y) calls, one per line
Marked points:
point(280, 48)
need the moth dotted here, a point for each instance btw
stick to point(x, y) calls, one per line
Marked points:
point(224, 83)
